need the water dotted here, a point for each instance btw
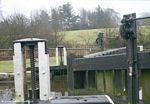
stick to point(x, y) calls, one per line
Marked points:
point(7, 93)
point(7, 96)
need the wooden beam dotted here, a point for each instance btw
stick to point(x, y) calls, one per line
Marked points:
point(110, 62)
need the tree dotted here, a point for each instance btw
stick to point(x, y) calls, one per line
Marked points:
point(84, 19)
point(57, 27)
point(68, 17)
point(12, 28)
point(100, 17)
point(40, 24)
point(91, 18)
point(110, 22)
point(111, 18)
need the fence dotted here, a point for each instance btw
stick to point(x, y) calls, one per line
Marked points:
point(6, 54)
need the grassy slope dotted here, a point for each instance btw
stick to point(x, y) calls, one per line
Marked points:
point(74, 37)
point(7, 66)
point(78, 36)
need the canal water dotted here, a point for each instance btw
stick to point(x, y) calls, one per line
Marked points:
point(7, 92)
point(7, 96)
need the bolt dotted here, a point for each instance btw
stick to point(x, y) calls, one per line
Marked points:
point(18, 73)
point(43, 72)
point(19, 95)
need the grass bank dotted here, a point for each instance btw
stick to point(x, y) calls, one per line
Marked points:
point(82, 37)
point(7, 66)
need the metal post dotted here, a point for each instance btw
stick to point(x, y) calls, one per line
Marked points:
point(33, 72)
point(87, 78)
point(133, 88)
point(70, 74)
point(128, 32)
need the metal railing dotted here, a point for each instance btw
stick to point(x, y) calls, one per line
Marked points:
point(7, 54)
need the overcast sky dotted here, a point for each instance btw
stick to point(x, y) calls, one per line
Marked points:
point(121, 6)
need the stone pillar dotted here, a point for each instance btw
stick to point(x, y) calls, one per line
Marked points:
point(19, 72)
point(44, 72)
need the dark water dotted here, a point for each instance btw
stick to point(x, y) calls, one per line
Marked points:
point(7, 96)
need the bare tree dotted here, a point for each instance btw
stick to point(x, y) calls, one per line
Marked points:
point(13, 27)
point(84, 22)
point(40, 24)
point(57, 26)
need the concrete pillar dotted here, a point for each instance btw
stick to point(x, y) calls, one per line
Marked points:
point(19, 72)
point(141, 48)
point(57, 56)
point(44, 72)
point(140, 89)
point(65, 56)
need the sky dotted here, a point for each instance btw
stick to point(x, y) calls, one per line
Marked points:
point(27, 6)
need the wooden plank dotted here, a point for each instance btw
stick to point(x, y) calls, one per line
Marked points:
point(70, 74)
point(110, 62)
point(100, 63)
point(144, 60)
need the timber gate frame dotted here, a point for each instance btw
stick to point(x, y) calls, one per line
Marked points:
point(131, 61)
point(108, 62)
